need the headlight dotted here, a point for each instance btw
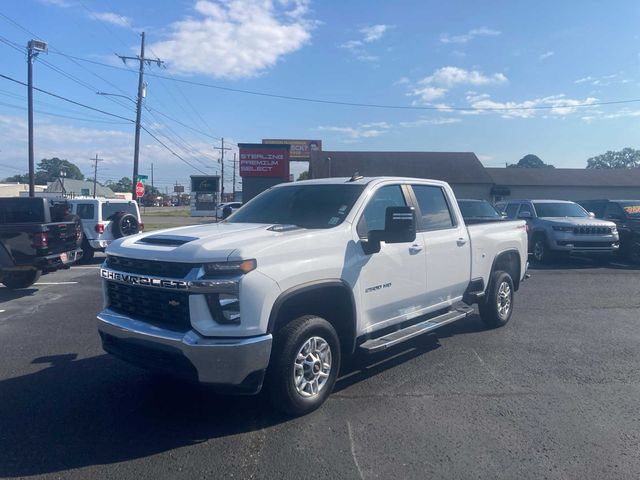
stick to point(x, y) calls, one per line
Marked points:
point(614, 230)
point(230, 268)
point(562, 229)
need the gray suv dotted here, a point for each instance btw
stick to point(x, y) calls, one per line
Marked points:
point(558, 226)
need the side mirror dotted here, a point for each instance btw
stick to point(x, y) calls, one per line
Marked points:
point(525, 215)
point(592, 215)
point(399, 227)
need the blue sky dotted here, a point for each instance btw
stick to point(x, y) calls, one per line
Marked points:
point(406, 53)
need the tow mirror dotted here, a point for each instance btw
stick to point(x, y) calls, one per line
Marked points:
point(524, 215)
point(399, 227)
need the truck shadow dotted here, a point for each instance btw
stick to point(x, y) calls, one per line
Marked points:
point(7, 294)
point(584, 263)
point(73, 413)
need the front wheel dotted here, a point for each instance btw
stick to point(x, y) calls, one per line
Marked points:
point(634, 254)
point(541, 252)
point(497, 306)
point(21, 278)
point(304, 366)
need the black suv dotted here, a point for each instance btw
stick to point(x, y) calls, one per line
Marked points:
point(626, 215)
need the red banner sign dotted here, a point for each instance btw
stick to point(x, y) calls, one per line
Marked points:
point(264, 160)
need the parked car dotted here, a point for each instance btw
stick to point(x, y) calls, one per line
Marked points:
point(626, 215)
point(302, 274)
point(35, 238)
point(562, 227)
point(225, 209)
point(479, 211)
point(104, 220)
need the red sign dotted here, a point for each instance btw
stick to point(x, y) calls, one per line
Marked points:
point(258, 160)
point(139, 189)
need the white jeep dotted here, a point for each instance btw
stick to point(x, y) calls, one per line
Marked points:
point(105, 220)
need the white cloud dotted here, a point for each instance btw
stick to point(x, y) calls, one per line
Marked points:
point(57, 3)
point(112, 18)
point(370, 34)
point(603, 80)
point(358, 132)
point(559, 105)
point(470, 35)
point(546, 55)
point(236, 38)
point(437, 84)
point(430, 121)
point(402, 81)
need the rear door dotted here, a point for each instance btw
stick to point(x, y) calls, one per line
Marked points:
point(391, 283)
point(446, 243)
point(88, 217)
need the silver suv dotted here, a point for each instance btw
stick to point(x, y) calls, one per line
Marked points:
point(559, 226)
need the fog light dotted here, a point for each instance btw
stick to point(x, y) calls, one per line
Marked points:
point(224, 308)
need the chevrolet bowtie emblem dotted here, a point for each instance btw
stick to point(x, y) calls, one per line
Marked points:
point(174, 303)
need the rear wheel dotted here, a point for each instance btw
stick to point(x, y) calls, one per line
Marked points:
point(541, 252)
point(497, 306)
point(87, 252)
point(634, 254)
point(21, 278)
point(304, 366)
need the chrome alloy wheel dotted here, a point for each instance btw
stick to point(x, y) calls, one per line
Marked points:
point(312, 367)
point(504, 299)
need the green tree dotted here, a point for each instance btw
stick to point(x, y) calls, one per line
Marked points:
point(50, 169)
point(304, 175)
point(530, 161)
point(123, 185)
point(625, 158)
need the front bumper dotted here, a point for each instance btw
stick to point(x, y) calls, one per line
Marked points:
point(234, 364)
point(585, 244)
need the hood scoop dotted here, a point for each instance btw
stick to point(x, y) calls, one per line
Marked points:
point(283, 228)
point(167, 240)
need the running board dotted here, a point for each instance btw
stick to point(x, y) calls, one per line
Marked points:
point(391, 339)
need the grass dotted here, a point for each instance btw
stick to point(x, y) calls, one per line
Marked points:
point(149, 227)
point(166, 212)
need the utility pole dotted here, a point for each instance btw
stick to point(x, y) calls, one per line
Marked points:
point(34, 47)
point(95, 172)
point(136, 149)
point(151, 176)
point(234, 177)
point(222, 149)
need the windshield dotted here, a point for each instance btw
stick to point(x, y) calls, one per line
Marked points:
point(560, 210)
point(308, 206)
point(631, 209)
point(473, 209)
point(110, 210)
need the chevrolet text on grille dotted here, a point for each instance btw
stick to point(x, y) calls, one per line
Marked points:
point(142, 280)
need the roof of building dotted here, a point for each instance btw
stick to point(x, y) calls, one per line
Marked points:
point(75, 188)
point(566, 177)
point(452, 167)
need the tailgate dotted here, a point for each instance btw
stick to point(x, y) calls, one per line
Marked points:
point(62, 236)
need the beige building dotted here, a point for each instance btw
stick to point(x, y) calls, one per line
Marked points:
point(15, 189)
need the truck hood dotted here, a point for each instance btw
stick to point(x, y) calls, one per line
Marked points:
point(577, 222)
point(203, 243)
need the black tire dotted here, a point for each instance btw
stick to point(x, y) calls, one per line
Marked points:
point(87, 252)
point(633, 254)
point(226, 211)
point(124, 224)
point(21, 278)
point(490, 309)
point(281, 383)
point(540, 250)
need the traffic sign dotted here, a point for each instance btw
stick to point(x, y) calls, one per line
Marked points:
point(139, 189)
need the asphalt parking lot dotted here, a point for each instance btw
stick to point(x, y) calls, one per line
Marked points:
point(553, 395)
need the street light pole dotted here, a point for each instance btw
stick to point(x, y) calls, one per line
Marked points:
point(33, 48)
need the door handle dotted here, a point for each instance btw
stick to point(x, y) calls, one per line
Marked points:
point(415, 248)
point(461, 242)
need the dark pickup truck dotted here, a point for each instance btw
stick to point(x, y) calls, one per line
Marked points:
point(35, 238)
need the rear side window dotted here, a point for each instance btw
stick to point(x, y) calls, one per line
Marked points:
point(511, 210)
point(597, 208)
point(613, 211)
point(22, 210)
point(373, 217)
point(525, 207)
point(85, 211)
point(110, 210)
point(434, 209)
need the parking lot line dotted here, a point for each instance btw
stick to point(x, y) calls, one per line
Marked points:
point(55, 283)
point(75, 267)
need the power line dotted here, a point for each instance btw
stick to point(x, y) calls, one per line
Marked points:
point(170, 150)
point(366, 105)
point(66, 99)
point(70, 117)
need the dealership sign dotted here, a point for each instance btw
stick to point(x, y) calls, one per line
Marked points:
point(264, 160)
point(300, 149)
point(205, 183)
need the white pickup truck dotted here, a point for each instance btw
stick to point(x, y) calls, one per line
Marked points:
point(300, 276)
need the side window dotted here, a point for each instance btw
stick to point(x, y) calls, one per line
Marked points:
point(374, 213)
point(511, 210)
point(525, 207)
point(434, 209)
point(85, 211)
point(613, 209)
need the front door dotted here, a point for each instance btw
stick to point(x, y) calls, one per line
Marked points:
point(392, 282)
